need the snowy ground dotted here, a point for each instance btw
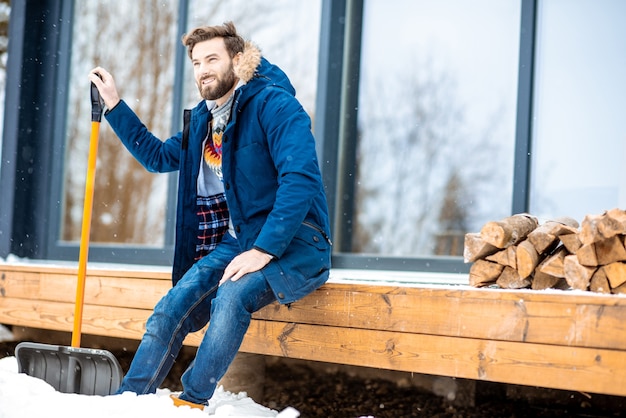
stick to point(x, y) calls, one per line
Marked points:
point(23, 396)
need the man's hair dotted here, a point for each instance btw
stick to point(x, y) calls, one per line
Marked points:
point(233, 41)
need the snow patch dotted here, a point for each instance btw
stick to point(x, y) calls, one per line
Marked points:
point(5, 334)
point(25, 396)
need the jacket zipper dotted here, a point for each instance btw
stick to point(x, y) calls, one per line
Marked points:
point(318, 229)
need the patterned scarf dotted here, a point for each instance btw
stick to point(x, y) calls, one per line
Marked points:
point(213, 147)
point(213, 150)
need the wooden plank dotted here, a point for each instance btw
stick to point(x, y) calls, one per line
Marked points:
point(381, 288)
point(105, 290)
point(582, 325)
point(93, 269)
point(59, 316)
point(560, 367)
point(510, 316)
point(570, 318)
point(568, 368)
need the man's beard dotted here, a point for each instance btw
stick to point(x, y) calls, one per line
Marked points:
point(225, 82)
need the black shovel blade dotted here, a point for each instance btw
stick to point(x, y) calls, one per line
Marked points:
point(70, 370)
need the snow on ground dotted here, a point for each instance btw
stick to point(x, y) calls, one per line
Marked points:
point(23, 396)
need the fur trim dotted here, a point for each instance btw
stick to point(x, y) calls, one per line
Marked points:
point(248, 62)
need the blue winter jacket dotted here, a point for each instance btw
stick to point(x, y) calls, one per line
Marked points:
point(272, 180)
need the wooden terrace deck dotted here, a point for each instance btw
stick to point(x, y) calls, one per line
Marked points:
point(569, 340)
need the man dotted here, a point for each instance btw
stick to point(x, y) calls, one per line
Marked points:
point(252, 219)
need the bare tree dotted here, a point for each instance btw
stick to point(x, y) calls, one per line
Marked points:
point(416, 179)
point(126, 210)
point(453, 217)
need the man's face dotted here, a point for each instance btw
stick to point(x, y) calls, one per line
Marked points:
point(213, 70)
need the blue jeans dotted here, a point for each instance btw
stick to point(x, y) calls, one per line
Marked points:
point(186, 308)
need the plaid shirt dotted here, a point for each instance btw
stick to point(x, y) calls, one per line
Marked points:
point(213, 223)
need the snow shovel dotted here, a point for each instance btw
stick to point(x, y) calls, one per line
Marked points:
point(75, 369)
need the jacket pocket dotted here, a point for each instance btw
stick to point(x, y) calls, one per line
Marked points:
point(309, 251)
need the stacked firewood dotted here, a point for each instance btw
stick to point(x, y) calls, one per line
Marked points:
point(517, 252)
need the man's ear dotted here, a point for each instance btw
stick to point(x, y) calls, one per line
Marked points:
point(237, 58)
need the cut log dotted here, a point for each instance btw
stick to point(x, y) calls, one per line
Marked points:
point(506, 257)
point(566, 221)
point(527, 258)
point(603, 252)
point(476, 248)
point(587, 255)
point(599, 282)
point(616, 273)
point(615, 223)
point(542, 281)
point(619, 290)
point(577, 275)
point(606, 225)
point(610, 250)
point(511, 279)
point(484, 273)
point(589, 229)
point(571, 242)
point(509, 231)
point(546, 236)
point(553, 264)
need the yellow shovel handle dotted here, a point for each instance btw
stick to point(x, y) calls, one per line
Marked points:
point(84, 237)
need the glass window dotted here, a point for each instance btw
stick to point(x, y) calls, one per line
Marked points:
point(136, 42)
point(579, 139)
point(436, 123)
point(129, 203)
point(287, 33)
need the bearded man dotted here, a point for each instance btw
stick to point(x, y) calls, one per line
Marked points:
point(252, 218)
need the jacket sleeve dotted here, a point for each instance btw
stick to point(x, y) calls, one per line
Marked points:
point(292, 148)
point(155, 155)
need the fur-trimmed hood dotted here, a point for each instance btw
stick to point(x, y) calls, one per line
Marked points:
point(248, 63)
point(256, 73)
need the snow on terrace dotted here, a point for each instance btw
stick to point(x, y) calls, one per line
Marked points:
point(458, 281)
point(366, 276)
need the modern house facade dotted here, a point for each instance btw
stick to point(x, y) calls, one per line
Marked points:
point(431, 118)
